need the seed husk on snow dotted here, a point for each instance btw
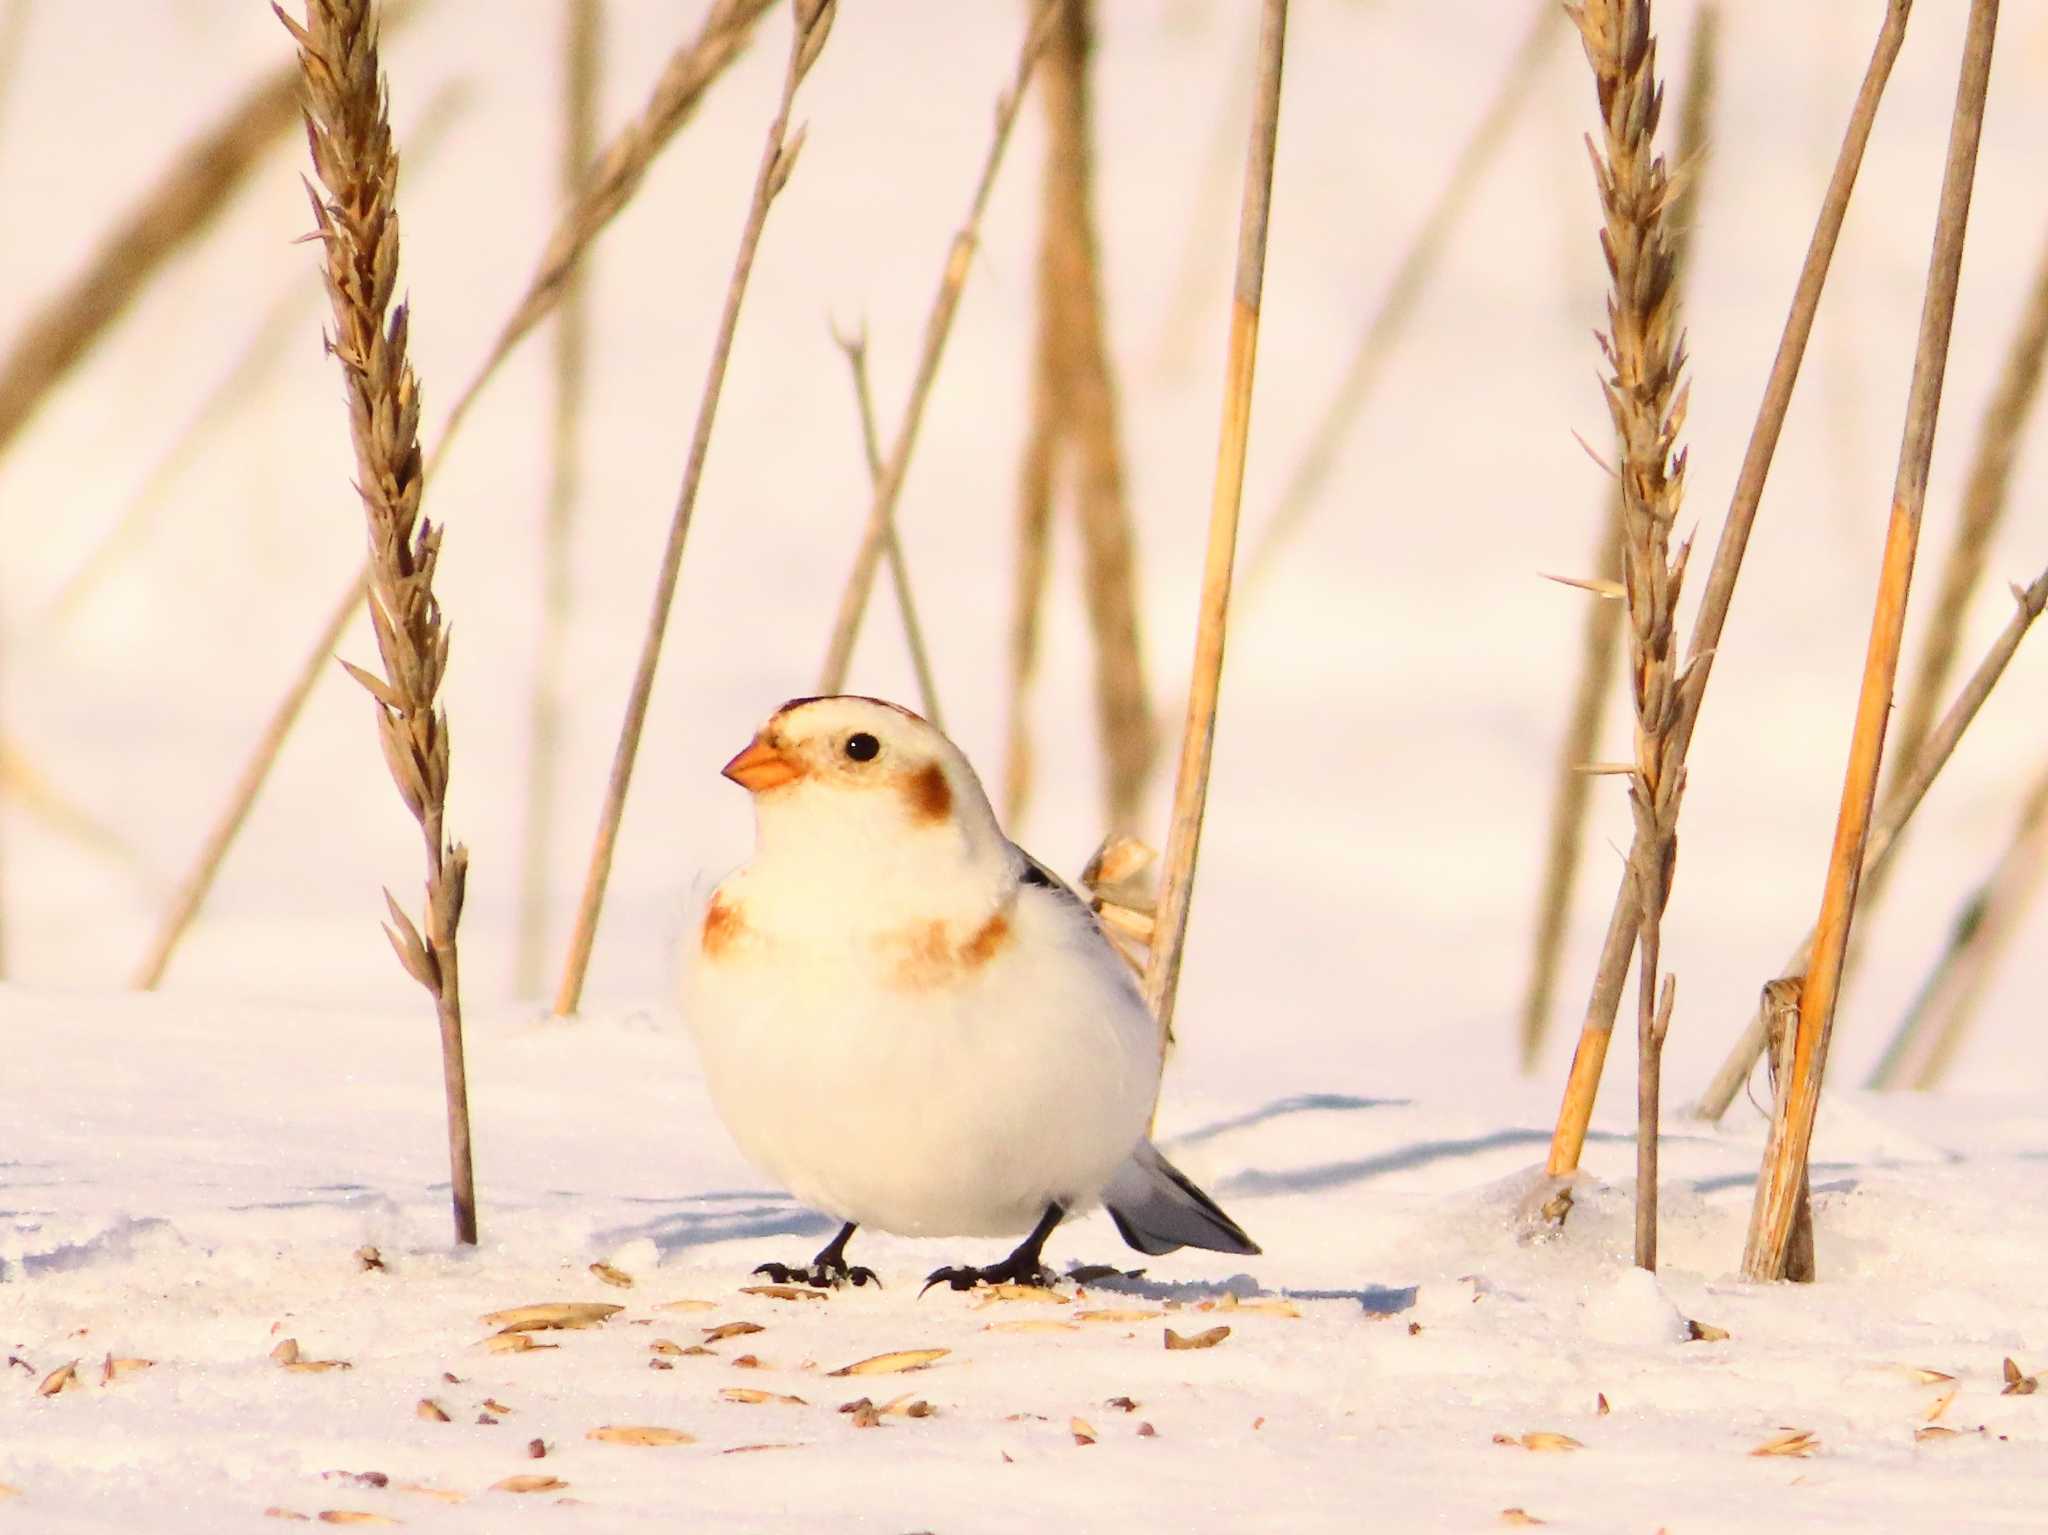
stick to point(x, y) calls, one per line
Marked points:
point(370, 1260)
point(1082, 1430)
point(1797, 1442)
point(430, 1411)
point(1137, 1315)
point(755, 1398)
point(544, 1315)
point(440, 1494)
point(687, 1304)
point(536, 1449)
point(893, 1363)
point(63, 1378)
point(1704, 1332)
point(772, 1291)
point(731, 1330)
point(528, 1483)
point(1032, 1324)
point(1541, 1440)
point(514, 1343)
point(287, 1354)
point(112, 1369)
point(1519, 1516)
point(1208, 1339)
point(617, 1278)
point(2018, 1383)
point(644, 1434)
point(352, 1516)
point(1030, 1295)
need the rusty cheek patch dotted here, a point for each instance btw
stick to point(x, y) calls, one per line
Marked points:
point(926, 956)
point(931, 797)
point(722, 928)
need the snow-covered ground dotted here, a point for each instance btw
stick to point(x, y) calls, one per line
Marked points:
point(185, 1178)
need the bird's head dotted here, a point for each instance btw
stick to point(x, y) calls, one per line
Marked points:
point(848, 772)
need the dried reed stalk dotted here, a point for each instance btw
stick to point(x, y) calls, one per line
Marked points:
point(581, 54)
point(174, 210)
point(1780, 1005)
point(1645, 353)
point(1785, 1154)
point(812, 24)
point(355, 163)
point(1389, 318)
point(243, 379)
point(1932, 1032)
point(1597, 1029)
point(1035, 466)
point(39, 797)
point(937, 327)
point(1985, 495)
point(1198, 738)
point(1892, 817)
point(1602, 635)
point(1075, 422)
point(603, 191)
point(855, 350)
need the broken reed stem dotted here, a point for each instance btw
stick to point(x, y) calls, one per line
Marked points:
point(604, 189)
point(1646, 398)
point(356, 165)
point(242, 379)
point(1602, 634)
point(937, 327)
point(855, 349)
point(1932, 1032)
point(1892, 817)
point(1985, 494)
point(811, 25)
point(582, 22)
point(1780, 1006)
point(1785, 1154)
point(1198, 738)
point(182, 202)
point(1419, 261)
point(1075, 423)
point(1597, 1029)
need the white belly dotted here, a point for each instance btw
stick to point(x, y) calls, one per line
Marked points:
point(962, 1110)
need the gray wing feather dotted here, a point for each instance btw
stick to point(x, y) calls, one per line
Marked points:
point(1157, 1209)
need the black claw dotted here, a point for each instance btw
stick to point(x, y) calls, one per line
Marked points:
point(820, 1276)
point(961, 1277)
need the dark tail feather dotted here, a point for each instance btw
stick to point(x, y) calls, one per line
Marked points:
point(1156, 1209)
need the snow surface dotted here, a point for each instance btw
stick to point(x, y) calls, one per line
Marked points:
point(186, 1177)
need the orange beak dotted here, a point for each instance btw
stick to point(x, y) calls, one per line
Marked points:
point(761, 766)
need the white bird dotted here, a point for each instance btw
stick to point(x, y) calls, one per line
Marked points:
point(909, 1023)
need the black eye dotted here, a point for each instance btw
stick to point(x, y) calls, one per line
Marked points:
point(862, 747)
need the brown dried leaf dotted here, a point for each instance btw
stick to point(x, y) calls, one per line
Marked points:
point(529, 1483)
point(552, 1314)
point(643, 1434)
point(1208, 1339)
point(753, 1398)
point(894, 1363)
point(617, 1278)
point(1796, 1442)
point(731, 1330)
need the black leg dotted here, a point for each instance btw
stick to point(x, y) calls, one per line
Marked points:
point(827, 1271)
point(1021, 1267)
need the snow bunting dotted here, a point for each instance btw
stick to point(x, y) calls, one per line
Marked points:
point(909, 1023)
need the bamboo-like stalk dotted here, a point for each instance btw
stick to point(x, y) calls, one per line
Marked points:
point(175, 209)
point(1645, 353)
point(938, 326)
point(855, 350)
point(355, 163)
point(1198, 738)
point(1602, 634)
point(1892, 816)
point(812, 24)
point(1383, 330)
point(1932, 1032)
point(243, 378)
point(609, 184)
point(581, 55)
point(1575, 1112)
point(1075, 423)
point(1785, 1155)
point(1985, 496)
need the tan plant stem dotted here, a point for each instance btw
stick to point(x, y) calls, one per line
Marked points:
point(812, 24)
point(1892, 816)
point(357, 220)
point(1645, 353)
point(1198, 738)
point(1419, 261)
point(1602, 635)
point(582, 43)
point(855, 348)
point(1785, 1155)
point(1583, 1084)
point(609, 184)
point(1985, 496)
point(938, 326)
point(1932, 1032)
point(1780, 1005)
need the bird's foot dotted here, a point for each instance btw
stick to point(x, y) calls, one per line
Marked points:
point(820, 1274)
point(1011, 1270)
